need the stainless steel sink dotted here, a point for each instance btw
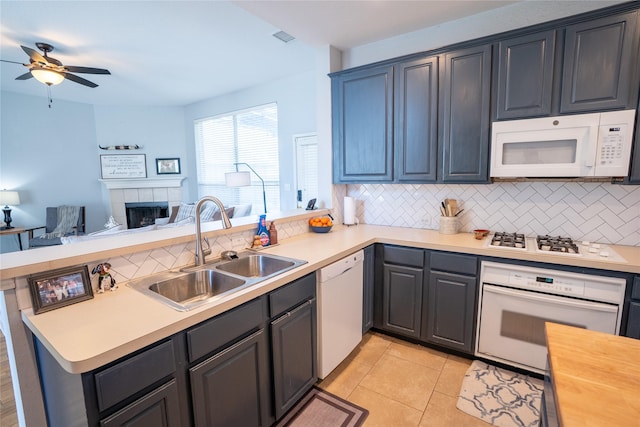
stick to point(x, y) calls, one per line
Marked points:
point(193, 287)
point(258, 265)
point(185, 291)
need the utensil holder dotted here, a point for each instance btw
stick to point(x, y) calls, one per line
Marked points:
point(449, 225)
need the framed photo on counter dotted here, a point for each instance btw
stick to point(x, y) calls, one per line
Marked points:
point(59, 288)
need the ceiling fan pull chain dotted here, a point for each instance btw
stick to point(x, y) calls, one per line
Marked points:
point(49, 95)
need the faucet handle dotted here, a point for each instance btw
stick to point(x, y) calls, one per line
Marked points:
point(207, 249)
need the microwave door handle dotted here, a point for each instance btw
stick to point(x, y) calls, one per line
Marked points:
point(592, 146)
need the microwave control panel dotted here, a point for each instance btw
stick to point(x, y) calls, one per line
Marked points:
point(611, 146)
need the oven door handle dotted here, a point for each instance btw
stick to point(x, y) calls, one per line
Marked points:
point(534, 296)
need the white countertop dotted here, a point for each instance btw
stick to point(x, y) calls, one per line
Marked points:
point(89, 334)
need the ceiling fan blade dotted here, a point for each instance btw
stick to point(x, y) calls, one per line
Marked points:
point(80, 80)
point(25, 76)
point(34, 55)
point(88, 70)
point(14, 62)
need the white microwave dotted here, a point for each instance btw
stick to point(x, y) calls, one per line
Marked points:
point(583, 145)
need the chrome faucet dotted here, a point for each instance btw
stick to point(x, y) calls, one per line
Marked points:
point(200, 252)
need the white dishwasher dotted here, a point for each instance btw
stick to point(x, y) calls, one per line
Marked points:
point(339, 299)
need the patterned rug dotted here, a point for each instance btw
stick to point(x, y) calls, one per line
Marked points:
point(500, 397)
point(319, 408)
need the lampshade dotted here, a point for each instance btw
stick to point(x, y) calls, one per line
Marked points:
point(47, 77)
point(237, 179)
point(9, 198)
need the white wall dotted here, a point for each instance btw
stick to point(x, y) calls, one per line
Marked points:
point(50, 156)
point(296, 99)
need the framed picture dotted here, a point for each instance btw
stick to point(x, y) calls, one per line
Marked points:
point(122, 166)
point(168, 166)
point(58, 288)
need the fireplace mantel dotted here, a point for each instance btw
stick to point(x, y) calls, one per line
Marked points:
point(116, 184)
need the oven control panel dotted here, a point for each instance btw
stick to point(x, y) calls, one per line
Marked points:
point(546, 283)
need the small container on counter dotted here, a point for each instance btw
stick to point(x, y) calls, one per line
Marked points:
point(273, 233)
point(449, 225)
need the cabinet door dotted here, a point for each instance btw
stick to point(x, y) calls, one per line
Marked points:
point(465, 81)
point(451, 306)
point(402, 300)
point(598, 71)
point(232, 387)
point(160, 408)
point(416, 120)
point(293, 343)
point(633, 321)
point(362, 109)
point(368, 285)
point(525, 75)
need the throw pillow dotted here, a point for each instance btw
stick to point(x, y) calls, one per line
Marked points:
point(218, 216)
point(185, 211)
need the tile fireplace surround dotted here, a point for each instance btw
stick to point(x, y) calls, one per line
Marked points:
point(123, 191)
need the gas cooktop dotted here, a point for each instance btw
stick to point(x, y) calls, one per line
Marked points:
point(552, 245)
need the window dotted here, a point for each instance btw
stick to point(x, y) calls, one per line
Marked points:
point(306, 167)
point(249, 136)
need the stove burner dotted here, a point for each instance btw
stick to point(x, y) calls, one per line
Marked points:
point(557, 244)
point(509, 240)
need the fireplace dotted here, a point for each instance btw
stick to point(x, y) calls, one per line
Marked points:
point(141, 214)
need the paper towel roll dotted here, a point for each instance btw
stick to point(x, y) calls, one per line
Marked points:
point(349, 211)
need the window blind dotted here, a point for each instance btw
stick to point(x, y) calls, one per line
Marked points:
point(248, 136)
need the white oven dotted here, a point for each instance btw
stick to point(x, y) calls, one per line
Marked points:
point(516, 301)
point(582, 145)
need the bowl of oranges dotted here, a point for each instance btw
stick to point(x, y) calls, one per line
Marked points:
point(321, 224)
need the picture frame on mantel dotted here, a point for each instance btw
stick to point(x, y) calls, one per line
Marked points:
point(123, 166)
point(168, 166)
point(58, 288)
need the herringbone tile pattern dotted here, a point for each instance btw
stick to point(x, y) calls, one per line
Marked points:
point(597, 212)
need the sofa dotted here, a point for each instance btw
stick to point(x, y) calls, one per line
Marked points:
point(180, 215)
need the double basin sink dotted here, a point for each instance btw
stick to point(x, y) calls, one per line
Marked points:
point(190, 288)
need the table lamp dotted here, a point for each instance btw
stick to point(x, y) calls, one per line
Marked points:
point(8, 198)
point(243, 179)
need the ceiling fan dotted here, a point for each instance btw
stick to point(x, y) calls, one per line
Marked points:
point(50, 71)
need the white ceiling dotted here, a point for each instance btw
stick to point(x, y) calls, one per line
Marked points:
point(174, 53)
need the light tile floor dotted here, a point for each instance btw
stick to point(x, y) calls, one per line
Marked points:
point(402, 384)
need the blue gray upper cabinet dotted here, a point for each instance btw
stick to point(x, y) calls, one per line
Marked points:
point(525, 75)
point(362, 105)
point(465, 82)
point(600, 64)
point(416, 120)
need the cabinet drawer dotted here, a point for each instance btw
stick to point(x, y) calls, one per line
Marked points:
point(292, 294)
point(404, 256)
point(456, 263)
point(221, 330)
point(132, 375)
point(635, 291)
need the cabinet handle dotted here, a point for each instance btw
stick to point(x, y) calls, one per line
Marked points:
point(289, 313)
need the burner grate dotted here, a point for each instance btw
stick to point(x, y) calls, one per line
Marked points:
point(548, 243)
point(509, 240)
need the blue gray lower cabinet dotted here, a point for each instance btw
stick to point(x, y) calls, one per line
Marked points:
point(245, 367)
point(368, 288)
point(632, 329)
point(429, 296)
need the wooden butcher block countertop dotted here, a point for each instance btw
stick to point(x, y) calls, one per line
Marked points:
point(596, 377)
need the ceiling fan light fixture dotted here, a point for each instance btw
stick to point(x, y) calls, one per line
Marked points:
point(50, 78)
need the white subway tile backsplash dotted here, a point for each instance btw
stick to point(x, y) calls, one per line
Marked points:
point(594, 211)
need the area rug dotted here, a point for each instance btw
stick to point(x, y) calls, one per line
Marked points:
point(319, 408)
point(500, 397)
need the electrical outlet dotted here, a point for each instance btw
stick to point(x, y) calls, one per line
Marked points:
point(238, 242)
point(426, 221)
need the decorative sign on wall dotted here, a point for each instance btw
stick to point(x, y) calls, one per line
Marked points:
point(122, 166)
